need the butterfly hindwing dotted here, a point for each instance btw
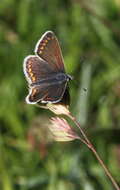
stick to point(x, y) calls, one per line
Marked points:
point(46, 93)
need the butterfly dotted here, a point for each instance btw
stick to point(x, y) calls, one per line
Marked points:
point(45, 72)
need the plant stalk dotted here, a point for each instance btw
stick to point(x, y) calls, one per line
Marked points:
point(91, 147)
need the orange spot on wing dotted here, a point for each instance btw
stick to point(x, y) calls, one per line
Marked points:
point(30, 70)
point(31, 74)
point(33, 78)
point(48, 38)
point(42, 47)
point(29, 66)
point(44, 44)
point(33, 93)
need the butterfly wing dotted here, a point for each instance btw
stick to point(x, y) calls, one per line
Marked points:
point(66, 97)
point(36, 69)
point(65, 100)
point(48, 49)
point(45, 93)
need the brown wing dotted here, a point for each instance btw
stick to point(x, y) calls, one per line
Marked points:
point(66, 98)
point(48, 49)
point(46, 93)
point(36, 69)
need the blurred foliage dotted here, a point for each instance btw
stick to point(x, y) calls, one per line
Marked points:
point(89, 29)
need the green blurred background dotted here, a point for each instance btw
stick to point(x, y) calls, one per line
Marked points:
point(89, 35)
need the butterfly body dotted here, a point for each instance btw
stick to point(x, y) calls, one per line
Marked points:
point(57, 78)
point(45, 71)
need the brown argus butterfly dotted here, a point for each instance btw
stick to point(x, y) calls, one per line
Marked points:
point(45, 72)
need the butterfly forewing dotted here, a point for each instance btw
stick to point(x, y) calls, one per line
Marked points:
point(48, 49)
point(36, 69)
